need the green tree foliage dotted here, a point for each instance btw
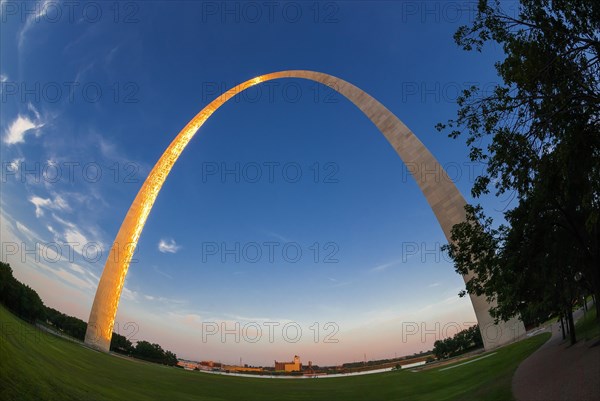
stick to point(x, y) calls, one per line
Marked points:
point(121, 344)
point(18, 297)
point(69, 325)
point(170, 358)
point(26, 303)
point(462, 342)
point(154, 353)
point(538, 133)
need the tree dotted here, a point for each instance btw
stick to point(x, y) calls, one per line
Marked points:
point(121, 344)
point(538, 132)
point(69, 325)
point(460, 343)
point(154, 353)
point(18, 297)
point(170, 358)
point(148, 351)
point(26, 303)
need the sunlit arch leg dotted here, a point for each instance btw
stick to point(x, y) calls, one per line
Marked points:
point(442, 195)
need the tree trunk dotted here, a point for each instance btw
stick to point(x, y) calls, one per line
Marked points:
point(571, 326)
point(562, 327)
point(595, 297)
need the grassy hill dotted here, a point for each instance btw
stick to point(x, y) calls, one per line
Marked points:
point(35, 365)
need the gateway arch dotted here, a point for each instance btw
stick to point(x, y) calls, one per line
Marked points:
point(442, 195)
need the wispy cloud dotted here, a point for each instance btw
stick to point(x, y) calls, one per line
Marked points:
point(138, 297)
point(15, 164)
point(73, 235)
point(192, 320)
point(41, 8)
point(278, 236)
point(129, 294)
point(111, 54)
point(157, 270)
point(58, 203)
point(168, 246)
point(240, 318)
point(384, 266)
point(72, 279)
point(433, 285)
point(62, 221)
point(77, 238)
point(336, 283)
point(163, 300)
point(15, 133)
point(26, 231)
point(49, 261)
point(444, 303)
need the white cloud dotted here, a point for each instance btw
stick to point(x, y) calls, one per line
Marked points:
point(192, 320)
point(156, 269)
point(49, 261)
point(273, 234)
point(31, 108)
point(58, 203)
point(384, 266)
point(129, 294)
point(75, 267)
point(52, 230)
point(15, 165)
point(50, 252)
point(442, 304)
point(17, 130)
point(168, 246)
point(73, 280)
point(164, 300)
point(240, 318)
point(41, 8)
point(39, 203)
point(63, 222)
point(73, 236)
point(337, 283)
point(3, 78)
point(76, 239)
point(25, 230)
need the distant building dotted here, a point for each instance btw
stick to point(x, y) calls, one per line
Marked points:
point(210, 364)
point(188, 365)
point(217, 366)
point(235, 368)
point(295, 366)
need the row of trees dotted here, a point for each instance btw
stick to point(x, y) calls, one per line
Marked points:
point(18, 297)
point(538, 134)
point(69, 325)
point(462, 342)
point(26, 303)
point(142, 350)
point(154, 353)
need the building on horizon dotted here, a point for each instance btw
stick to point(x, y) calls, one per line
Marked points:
point(187, 365)
point(294, 366)
point(240, 369)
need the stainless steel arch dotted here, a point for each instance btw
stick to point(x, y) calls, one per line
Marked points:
point(442, 195)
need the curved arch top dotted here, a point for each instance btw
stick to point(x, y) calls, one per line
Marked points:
point(442, 195)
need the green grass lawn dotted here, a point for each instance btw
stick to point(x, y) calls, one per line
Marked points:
point(38, 366)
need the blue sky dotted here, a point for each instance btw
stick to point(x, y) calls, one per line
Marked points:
point(92, 94)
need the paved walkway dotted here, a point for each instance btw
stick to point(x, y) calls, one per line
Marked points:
point(558, 371)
